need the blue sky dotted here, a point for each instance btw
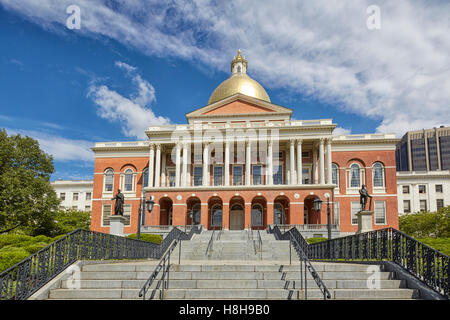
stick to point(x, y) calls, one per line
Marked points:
point(153, 63)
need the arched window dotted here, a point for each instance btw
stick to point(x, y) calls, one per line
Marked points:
point(257, 215)
point(278, 214)
point(334, 174)
point(355, 176)
point(196, 214)
point(128, 181)
point(378, 174)
point(145, 178)
point(216, 216)
point(109, 180)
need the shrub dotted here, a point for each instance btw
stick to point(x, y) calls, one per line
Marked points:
point(315, 240)
point(426, 224)
point(9, 239)
point(153, 238)
point(11, 256)
point(441, 244)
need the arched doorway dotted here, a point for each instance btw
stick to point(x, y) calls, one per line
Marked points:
point(311, 216)
point(281, 210)
point(193, 211)
point(165, 215)
point(215, 207)
point(258, 213)
point(237, 217)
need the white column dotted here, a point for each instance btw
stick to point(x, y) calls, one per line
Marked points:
point(205, 164)
point(269, 180)
point(329, 173)
point(158, 165)
point(151, 165)
point(292, 161)
point(288, 167)
point(227, 164)
point(314, 173)
point(184, 165)
point(322, 161)
point(248, 161)
point(299, 162)
point(177, 165)
point(163, 169)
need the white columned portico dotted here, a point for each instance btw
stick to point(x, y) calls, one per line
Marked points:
point(322, 161)
point(299, 162)
point(163, 167)
point(158, 165)
point(151, 165)
point(205, 178)
point(314, 173)
point(227, 164)
point(269, 180)
point(292, 160)
point(177, 165)
point(184, 174)
point(248, 160)
point(329, 160)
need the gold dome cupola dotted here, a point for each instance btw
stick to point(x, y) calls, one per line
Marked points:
point(239, 82)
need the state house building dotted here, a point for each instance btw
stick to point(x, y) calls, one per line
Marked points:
point(242, 162)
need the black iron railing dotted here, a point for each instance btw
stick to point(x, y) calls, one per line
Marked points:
point(301, 247)
point(425, 263)
point(26, 277)
point(210, 243)
point(172, 240)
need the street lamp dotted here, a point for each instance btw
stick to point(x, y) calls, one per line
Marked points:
point(327, 195)
point(141, 215)
point(150, 203)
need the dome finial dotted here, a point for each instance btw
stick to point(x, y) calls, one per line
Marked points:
point(239, 64)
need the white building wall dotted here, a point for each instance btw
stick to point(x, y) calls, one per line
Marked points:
point(429, 180)
point(69, 187)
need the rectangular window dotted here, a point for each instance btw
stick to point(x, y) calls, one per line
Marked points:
point(306, 176)
point(75, 196)
point(88, 196)
point(439, 203)
point(198, 176)
point(218, 176)
point(405, 189)
point(380, 212)
point(127, 214)
point(406, 206)
point(171, 178)
point(62, 196)
point(337, 212)
point(423, 205)
point(439, 188)
point(305, 154)
point(422, 188)
point(418, 155)
point(257, 175)
point(355, 207)
point(106, 213)
point(278, 174)
point(237, 175)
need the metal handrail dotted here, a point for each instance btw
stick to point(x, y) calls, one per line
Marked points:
point(428, 265)
point(299, 243)
point(172, 240)
point(23, 279)
point(210, 243)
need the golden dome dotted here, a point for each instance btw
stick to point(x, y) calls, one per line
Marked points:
point(239, 82)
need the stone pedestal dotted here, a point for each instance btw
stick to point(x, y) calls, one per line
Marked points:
point(364, 221)
point(116, 223)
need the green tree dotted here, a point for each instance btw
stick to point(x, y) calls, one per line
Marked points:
point(427, 224)
point(26, 196)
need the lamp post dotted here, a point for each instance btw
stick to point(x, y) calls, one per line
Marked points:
point(327, 195)
point(141, 215)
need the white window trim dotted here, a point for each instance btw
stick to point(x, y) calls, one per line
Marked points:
point(308, 167)
point(213, 182)
point(262, 180)
point(362, 178)
point(103, 207)
point(133, 182)
point(168, 170)
point(380, 189)
point(336, 189)
point(375, 217)
point(105, 192)
point(282, 174)
point(131, 210)
point(193, 175)
point(351, 216)
point(242, 175)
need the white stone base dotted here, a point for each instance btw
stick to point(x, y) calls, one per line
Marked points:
point(116, 223)
point(364, 221)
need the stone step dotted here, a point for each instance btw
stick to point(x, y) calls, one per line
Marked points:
point(231, 284)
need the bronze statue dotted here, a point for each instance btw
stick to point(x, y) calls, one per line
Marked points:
point(364, 194)
point(120, 199)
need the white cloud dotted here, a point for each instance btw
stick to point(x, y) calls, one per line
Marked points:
point(62, 149)
point(399, 74)
point(133, 113)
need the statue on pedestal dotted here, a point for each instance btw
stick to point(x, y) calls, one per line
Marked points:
point(120, 199)
point(364, 194)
